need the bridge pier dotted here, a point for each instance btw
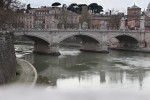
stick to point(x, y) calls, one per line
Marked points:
point(51, 49)
point(143, 44)
point(94, 47)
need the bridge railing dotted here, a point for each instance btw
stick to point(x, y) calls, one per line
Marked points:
point(80, 30)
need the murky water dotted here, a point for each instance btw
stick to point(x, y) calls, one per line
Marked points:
point(81, 70)
point(76, 75)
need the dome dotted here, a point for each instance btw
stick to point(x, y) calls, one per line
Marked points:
point(135, 7)
point(148, 7)
point(148, 10)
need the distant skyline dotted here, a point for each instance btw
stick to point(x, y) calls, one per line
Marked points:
point(120, 5)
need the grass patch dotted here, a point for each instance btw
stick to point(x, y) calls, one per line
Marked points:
point(18, 72)
point(42, 80)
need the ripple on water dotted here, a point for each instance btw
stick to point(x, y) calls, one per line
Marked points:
point(128, 63)
point(69, 52)
point(20, 55)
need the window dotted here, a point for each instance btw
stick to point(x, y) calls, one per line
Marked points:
point(47, 26)
point(135, 12)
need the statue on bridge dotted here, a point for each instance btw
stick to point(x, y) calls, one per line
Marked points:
point(84, 25)
point(54, 24)
point(122, 24)
point(103, 25)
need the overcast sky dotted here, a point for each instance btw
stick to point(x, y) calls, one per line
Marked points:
point(107, 4)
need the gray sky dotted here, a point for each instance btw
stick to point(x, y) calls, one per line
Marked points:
point(107, 4)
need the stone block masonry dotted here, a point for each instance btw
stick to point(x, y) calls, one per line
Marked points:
point(7, 58)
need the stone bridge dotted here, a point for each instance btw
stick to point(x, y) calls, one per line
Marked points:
point(47, 41)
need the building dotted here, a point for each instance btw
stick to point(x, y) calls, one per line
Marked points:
point(47, 18)
point(97, 21)
point(67, 19)
point(106, 21)
point(133, 16)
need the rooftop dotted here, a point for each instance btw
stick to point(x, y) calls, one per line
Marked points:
point(134, 7)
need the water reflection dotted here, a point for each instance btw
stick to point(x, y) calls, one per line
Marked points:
point(117, 69)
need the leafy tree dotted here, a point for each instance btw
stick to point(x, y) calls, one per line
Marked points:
point(95, 8)
point(80, 8)
point(1, 4)
point(73, 7)
point(56, 4)
point(99, 9)
point(77, 8)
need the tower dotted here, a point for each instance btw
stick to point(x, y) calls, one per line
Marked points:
point(133, 15)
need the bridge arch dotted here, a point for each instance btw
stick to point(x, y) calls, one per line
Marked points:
point(36, 38)
point(41, 44)
point(125, 40)
point(89, 37)
point(124, 35)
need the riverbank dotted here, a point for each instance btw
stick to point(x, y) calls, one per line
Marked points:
point(143, 50)
point(28, 74)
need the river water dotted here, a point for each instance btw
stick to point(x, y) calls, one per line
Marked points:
point(76, 75)
point(83, 70)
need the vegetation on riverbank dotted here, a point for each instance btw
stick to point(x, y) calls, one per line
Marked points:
point(19, 71)
point(25, 73)
point(42, 80)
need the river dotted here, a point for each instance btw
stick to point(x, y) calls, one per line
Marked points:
point(81, 70)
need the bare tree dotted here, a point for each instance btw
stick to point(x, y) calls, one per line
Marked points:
point(115, 17)
point(64, 15)
point(8, 13)
point(85, 17)
point(11, 4)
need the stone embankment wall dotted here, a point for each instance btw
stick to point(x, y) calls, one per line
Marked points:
point(7, 58)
